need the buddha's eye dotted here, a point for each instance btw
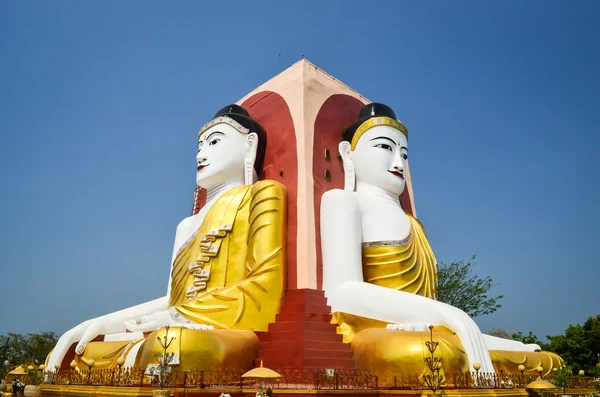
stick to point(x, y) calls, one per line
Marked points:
point(384, 146)
point(404, 156)
point(214, 142)
point(200, 144)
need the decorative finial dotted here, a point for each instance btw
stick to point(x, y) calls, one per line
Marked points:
point(261, 363)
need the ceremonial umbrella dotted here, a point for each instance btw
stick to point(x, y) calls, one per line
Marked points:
point(261, 373)
point(540, 385)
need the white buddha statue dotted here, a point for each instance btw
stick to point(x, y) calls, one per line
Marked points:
point(227, 271)
point(379, 272)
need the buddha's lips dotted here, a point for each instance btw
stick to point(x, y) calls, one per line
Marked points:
point(398, 174)
point(202, 166)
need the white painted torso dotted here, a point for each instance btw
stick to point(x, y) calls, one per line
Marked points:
point(381, 219)
point(188, 227)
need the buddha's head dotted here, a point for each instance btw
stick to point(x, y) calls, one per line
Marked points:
point(375, 149)
point(231, 148)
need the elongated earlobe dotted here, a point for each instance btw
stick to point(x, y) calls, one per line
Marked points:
point(250, 176)
point(349, 176)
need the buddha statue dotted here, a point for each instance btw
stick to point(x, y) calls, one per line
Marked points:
point(227, 272)
point(380, 273)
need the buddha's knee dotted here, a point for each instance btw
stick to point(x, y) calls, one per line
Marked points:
point(202, 350)
point(389, 352)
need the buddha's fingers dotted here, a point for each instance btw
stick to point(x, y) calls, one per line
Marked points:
point(65, 341)
point(57, 355)
point(135, 326)
point(90, 333)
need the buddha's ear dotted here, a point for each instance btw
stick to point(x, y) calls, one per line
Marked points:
point(250, 176)
point(349, 176)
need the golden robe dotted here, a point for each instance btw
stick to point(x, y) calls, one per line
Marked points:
point(229, 274)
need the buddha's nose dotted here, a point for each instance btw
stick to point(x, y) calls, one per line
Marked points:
point(397, 164)
point(200, 157)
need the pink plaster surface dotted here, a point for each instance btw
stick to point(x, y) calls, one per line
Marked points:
point(305, 88)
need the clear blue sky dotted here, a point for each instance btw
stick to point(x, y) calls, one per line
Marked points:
point(100, 103)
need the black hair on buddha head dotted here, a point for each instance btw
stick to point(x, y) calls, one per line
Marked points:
point(241, 115)
point(368, 111)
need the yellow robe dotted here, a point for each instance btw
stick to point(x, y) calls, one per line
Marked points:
point(230, 274)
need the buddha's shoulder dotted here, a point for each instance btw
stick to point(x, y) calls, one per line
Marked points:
point(185, 222)
point(268, 188)
point(342, 199)
point(268, 185)
point(184, 225)
point(416, 222)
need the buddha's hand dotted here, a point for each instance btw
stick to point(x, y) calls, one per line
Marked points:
point(66, 340)
point(152, 322)
point(415, 327)
point(470, 335)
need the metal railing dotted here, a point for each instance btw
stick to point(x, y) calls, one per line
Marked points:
point(307, 379)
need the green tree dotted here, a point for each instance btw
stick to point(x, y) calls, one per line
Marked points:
point(24, 349)
point(562, 377)
point(579, 346)
point(527, 339)
point(500, 333)
point(459, 287)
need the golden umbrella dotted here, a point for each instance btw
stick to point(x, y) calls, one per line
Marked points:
point(540, 385)
point(261, 373)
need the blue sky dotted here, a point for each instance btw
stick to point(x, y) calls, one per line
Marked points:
point(100, 103)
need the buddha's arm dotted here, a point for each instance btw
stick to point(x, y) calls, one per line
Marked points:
point(346, 291)
point(116, 322)
point(253, 302)
point(495, 343)
point(113, 323)
point(108, 324)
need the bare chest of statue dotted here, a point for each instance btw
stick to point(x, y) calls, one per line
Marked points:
point(382, 220)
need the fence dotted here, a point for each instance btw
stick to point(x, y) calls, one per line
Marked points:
point(318, 379)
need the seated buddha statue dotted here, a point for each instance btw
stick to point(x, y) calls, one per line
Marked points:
point(227, 272)
point(380, 273)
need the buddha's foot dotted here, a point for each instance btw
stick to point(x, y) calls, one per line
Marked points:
point(508, 362)
point(202, 349)
point(389, 353)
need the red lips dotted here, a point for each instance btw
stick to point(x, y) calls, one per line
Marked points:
point(202, 166)
point(397, 173)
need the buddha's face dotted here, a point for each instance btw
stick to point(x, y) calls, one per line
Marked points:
point(221, 151)
point(380, 157)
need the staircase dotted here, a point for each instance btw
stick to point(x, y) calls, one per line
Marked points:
point(302, 336)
